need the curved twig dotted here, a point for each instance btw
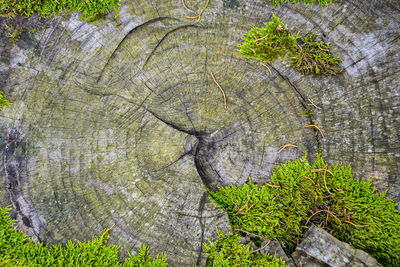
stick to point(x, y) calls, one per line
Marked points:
point(316, 127)
point(245, 205)
point(285, 146)
point(220, 88)
point(185, 6)
point(105, 232)
point(265, 66)
point(250, 234)
point(254, 251)
point(198, 17)
point(331, 213)
point(356, 225)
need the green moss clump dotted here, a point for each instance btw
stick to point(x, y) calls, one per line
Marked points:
point(3, 101)
point(16, 249)
point(91, 10)
point(227, 251)
point(315, 57)
point(274, 42)
point(301, 193)
point(270, 43)
point(311, 2)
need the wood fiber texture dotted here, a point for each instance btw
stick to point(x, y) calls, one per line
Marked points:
point(124, 124)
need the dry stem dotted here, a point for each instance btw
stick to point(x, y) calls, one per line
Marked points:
point(198, 17)
point(309, 179)
point(250, 234)
point(220, 88)
point(259, 39)
point(245, 205)
point(184, 5)
point(106, 231)
point(315, 213)
point(325, 169)
point(265, 66)
point(356, 224)
point(285, 146)
point(316, 127)
point(270, 185)
point(312, 103)
point(254, 251)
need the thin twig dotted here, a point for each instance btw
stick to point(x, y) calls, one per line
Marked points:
point(316, 127)
point(323, 49)
point(323, 211)
point(220, 88)
point(106, 231)
point(327, 217)
point(251, 206)
point(265, 66)
point(245, 205)
point(259, 39)
point(309, 179)
point(331, 213)
point(327, 189)
point(184, 5)
point(252, 50)
point(312, 103)
point(356, 224)
point(325, 169)
point(285, 146)
point(270, 185)
point(250, 234)
point(198, 17)
point(254, 251)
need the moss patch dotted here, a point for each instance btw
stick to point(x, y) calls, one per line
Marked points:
point(227, 251)
point(274, 42)
point(16, 249)
point(315, 57)
point(3, 101)
point(90, 10)
point(301, 193)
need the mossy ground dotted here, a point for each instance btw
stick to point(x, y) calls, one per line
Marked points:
point(16, 249)
point(274, 42)
point(301, 193)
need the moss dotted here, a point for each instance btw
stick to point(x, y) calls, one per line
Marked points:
point(227, 251)
point(269, 43)
point(315, 57)
point(311, 2)
point(90, 10)
point(301, 193)
point(16, 249)
point(274, 42)
point(3, 101)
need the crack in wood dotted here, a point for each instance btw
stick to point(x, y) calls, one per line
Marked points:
point(164, 37)
point(146, 23)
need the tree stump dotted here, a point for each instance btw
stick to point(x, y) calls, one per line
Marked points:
point(121, 121)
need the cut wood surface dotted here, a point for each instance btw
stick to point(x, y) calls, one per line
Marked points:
point(123, 124)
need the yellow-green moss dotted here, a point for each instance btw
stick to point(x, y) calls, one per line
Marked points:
point(301, 193)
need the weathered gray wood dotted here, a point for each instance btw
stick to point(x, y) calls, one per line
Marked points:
point(123, 124)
